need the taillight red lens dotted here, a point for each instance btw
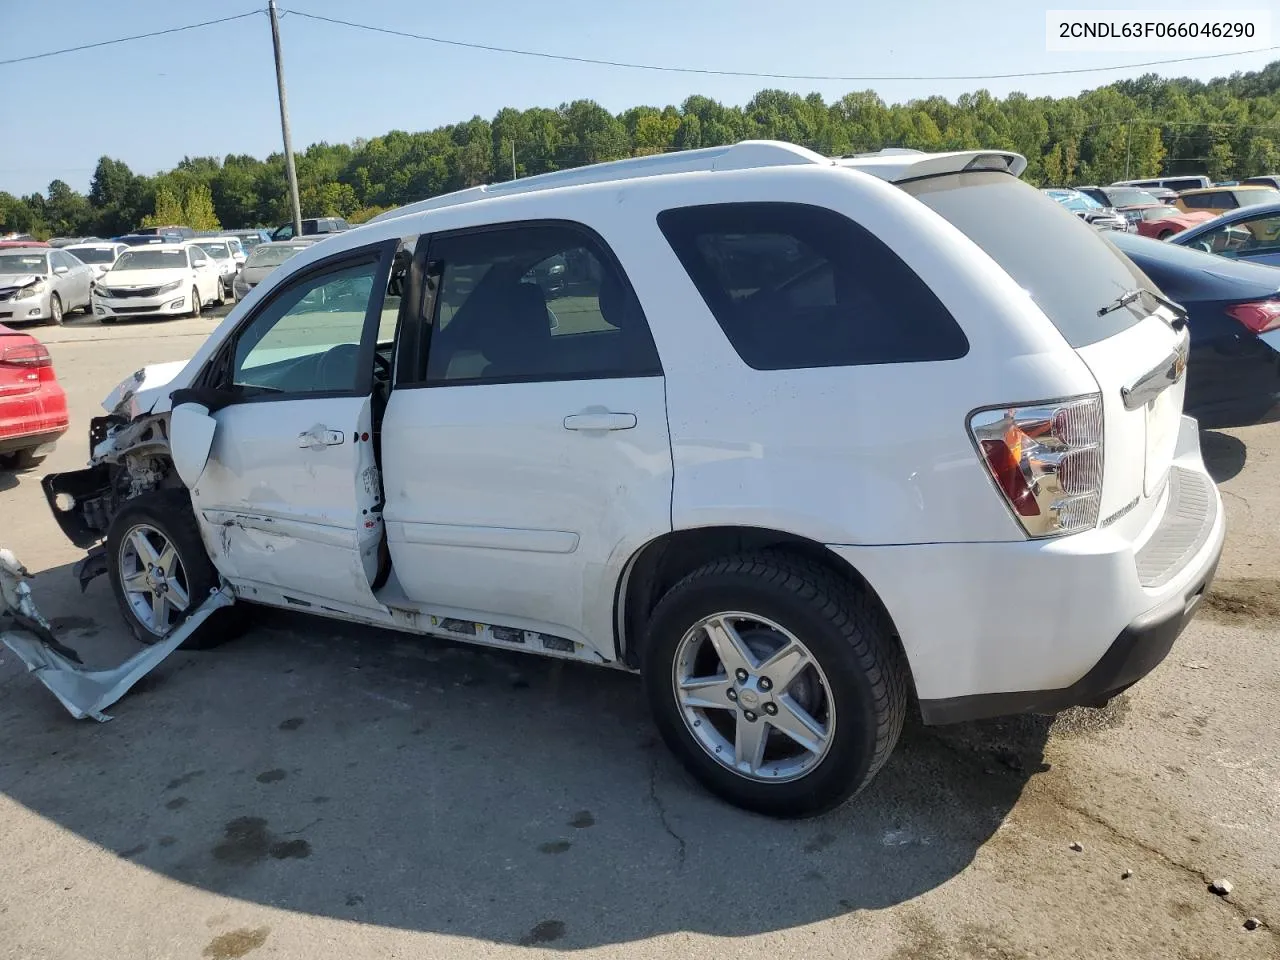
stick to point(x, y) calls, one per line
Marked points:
point(1259, 317)
point(26, 355)
point(1007, 472)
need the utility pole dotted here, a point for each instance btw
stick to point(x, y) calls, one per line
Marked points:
point(284, 121)
point(513, 160)
point(1128, 139)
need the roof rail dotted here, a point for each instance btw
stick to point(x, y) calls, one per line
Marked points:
point(736, 156)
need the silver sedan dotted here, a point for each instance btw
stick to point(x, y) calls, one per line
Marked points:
point(42, 284)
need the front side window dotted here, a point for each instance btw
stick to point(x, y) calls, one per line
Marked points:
point(541, 302)
point(306, 339)
point(797, 286)
point(1242, 238)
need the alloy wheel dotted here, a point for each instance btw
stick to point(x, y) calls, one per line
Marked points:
point(153, 578)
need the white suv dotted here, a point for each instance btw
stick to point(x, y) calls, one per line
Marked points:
point(803, 441)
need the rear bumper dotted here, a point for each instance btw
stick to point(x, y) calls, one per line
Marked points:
point(31, 441)
point(1039, 625)
point(1139, 649)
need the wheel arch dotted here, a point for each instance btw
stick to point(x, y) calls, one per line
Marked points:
point(662, 562)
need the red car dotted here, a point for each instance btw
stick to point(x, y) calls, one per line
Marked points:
point(4, 244)
point(1163, 222)
point(33, 407)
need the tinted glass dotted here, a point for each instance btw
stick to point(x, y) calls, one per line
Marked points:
point(94, 254)
point(22, 263)
point(218, 251)
point(266, 256)
point(1247, 198)
point(797, 286)
point(307, 338)
point(151, 258)
point(1127, 197)
point(544, 302)
point(1069, 270)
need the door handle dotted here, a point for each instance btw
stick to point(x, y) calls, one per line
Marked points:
point(318, 437)
point(600, 420)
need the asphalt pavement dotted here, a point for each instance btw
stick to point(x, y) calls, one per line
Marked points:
point(317, 790)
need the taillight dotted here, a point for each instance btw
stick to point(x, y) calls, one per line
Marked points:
point(1046, 460)
point(1259, 317)
point(26, 355)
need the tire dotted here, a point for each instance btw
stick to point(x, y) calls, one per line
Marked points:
point(20, 459)
point(106, 319)
point(165, 517)
point(220, 296)
point(196, 303)
point(1164, 235)
point(55, 311)
point(861, 678)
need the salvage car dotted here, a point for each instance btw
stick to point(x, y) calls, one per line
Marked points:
point(162, 280)
point(1233, 365)
point(42, 284)
point(264, 258)
point(227, 257)
point(1251, 234)
point(98, 256)
point(1221, 199)
point(33, 406)
point(730, 467)
point(1088, 209)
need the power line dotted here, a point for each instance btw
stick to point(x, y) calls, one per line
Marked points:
point(746, 73)
point(139, 36)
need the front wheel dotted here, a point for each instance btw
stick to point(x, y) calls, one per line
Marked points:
point(55, 311)
point(775, 682)
point(195, 302)
point(160, 572)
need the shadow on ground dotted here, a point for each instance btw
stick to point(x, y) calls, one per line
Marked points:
point(384, 779)
point(1224, 455)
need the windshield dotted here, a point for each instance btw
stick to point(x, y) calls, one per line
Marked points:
point(93, 254)
point(1069, 271)
point(151, 258)
point(270, 256)
point(1126, 197)
point(216, 250)
point(22, 263)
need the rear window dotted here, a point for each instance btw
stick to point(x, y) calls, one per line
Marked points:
point(1062, 262)
point(796, 286)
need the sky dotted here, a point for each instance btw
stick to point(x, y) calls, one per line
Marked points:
point(210, 92)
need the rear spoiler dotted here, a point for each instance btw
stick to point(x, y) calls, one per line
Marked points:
point(897, 165)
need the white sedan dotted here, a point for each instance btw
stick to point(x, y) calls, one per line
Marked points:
point(164, 280)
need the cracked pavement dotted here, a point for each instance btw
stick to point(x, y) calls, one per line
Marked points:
point(319, 790)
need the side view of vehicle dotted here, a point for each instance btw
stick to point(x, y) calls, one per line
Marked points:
point(1088, 209)
point(1163, 223)
point(164, 280)
point(42, 284)
point(224, 252)
point(98, 255)
point(264, 258)
point(707, 450)
point(1177, 184)
point(1218, 200)
point(312, 226)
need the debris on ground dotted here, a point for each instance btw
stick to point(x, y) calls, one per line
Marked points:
point(1126, 874)
point(85, 693)
point(1077, 846)
point(1253, 923)
point(1221, 887)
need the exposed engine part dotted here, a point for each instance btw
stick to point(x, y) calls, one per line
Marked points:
point(145, 472)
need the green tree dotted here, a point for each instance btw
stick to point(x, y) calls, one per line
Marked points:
point(197, 208)
point(168, 208)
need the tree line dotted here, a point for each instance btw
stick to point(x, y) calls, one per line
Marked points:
point(1227, 128)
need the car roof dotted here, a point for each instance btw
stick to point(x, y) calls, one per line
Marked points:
point(95, 245)
point(1221, 187)
point(892, 164)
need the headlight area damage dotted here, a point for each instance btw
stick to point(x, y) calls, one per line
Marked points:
point(129, 457)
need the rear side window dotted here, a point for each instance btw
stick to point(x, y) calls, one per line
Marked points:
point(1062, 262)
point(796, 286)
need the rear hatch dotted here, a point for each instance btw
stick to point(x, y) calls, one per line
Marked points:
point(1074, 276)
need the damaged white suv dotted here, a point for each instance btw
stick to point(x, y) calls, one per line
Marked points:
point(806, 442)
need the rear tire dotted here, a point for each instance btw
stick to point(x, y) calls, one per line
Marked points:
point(21, 459)
point(163, 520)
point(1164, 234)
point(854, 688)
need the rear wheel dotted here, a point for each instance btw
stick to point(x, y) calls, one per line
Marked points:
point(195, 302)
point(1164, 234)
point(20, 459)
point(160, 572)
point(776, 683)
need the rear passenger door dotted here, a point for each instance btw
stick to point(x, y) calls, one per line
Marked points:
point(525, 446)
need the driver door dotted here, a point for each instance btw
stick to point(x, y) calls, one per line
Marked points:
point(289, 498)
